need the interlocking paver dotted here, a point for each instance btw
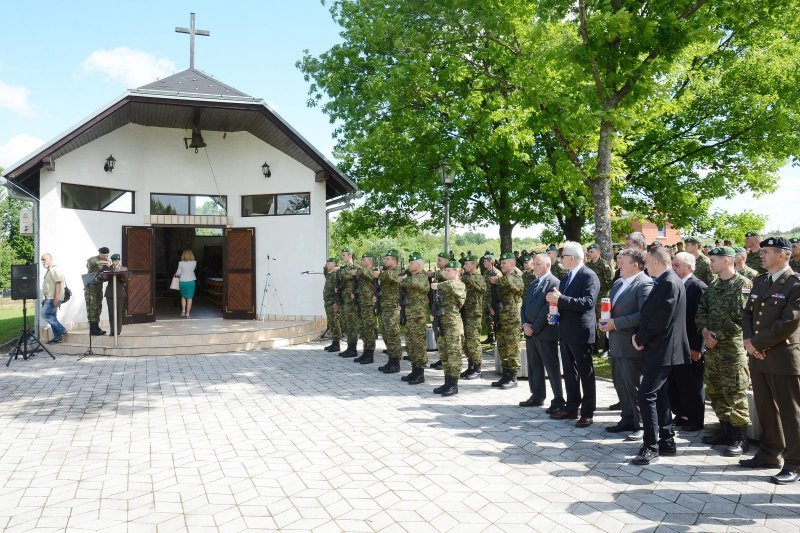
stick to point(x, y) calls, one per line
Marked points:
point(297, 439)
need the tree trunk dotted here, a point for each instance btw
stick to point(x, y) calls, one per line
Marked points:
point(572, 226)
point(505, 237)
point(601, 191)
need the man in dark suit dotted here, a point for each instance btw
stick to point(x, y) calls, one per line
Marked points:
point(771, 331)
point(541, 339)
point(576, 298)
point(685, 384)
point(662, 339)
point(628, 295)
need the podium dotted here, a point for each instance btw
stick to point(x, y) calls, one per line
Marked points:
point(111, 276)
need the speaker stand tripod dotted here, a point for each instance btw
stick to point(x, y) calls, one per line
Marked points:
point(26, 336)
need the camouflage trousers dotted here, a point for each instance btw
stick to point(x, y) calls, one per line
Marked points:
point(727, 377)
point(450, 352)
point(391, 331)
point(472, 339)
point(350, 322)
point(487, 321)
point(507, 337)
point(601, 344)
point(94, 302)
point(416, 336)
point(369, 326)
point(334, 324)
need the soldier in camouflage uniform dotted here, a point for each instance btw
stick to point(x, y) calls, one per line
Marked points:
point(752, 241)
point(331, 309)
point(487, 263)
point(437, 276)
point(93, 294)
point(794, 260)
point(365, 306)
point(605, 274)
point(389, 279)
point(528, 276)
point(473, 310)
point(740, 264)
point(510, 286)
point(452, 295)
point(719, 318)
point(702, 269)
point(556, 268)
point(416, 288)
point(348, 314)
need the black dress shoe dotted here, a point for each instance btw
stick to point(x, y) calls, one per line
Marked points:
point(616, 407)
point(552, 409)
point(564, 415)
point(620, 428)
point(584, 422)
point(667, 448)
point(785, 477)
point(756, 462)
point(647, 456)
point(679, 421)
point(531, 402)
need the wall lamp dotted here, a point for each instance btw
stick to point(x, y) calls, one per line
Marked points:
point(110, 161)
point(265, 170)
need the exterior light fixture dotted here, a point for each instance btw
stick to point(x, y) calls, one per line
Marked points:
point(110, 161)
point(265, 170)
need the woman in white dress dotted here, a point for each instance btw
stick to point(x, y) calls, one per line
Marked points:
point(187, 281)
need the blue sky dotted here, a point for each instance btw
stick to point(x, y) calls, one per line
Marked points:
point(62, 61)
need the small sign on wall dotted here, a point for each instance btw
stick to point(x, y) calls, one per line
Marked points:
point(26, 222)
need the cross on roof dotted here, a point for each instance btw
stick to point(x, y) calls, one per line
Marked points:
point(192, 32)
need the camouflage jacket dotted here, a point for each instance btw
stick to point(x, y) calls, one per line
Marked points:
point(558, 270)
point(347, 283)
point(95, 264)
point(452, 294)
point(748, 272)
point(754, 261)
point(511, 295)
point(721, 308)
point(604, 274)
point(528, 277)
point(795, 264)
point(329, 290)
point(366, 285)
point(390, 287)
point(487, 293)
point(476, 287)
point(702, 270)
point(416, 287)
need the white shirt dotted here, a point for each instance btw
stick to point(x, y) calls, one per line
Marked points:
point(777, 275)
point(684, 280)
point(626, 282)
point(571, 275)
point(186, 270)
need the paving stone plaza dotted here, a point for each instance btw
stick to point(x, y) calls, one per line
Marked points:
point(295, 439)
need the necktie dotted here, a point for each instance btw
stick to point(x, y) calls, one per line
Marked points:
point(569, 278)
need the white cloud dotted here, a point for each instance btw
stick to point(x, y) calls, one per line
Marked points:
point(15, 98)
point(132, 67)
point(18, 147)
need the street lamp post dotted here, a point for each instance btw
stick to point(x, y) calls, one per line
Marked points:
point(448, 177)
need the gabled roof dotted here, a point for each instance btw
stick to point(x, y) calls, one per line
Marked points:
point(175, 102)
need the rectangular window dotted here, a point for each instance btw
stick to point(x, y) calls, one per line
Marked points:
point(188, 204)
point(276, 204)
point(662, 231)
point(208, 232)
point(97, 198)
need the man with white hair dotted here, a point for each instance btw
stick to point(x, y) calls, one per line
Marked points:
point(575, 299)
point(685, 383)
point(740, 264)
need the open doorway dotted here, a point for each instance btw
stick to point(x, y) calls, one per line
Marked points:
point(207, 245)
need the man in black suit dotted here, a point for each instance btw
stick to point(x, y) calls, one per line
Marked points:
point(541, 339)
point(662, 339)
point(576, 299)
point(685, 384)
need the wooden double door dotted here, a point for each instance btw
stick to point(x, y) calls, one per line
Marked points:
point(239, 273)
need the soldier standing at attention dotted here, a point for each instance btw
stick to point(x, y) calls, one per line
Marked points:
point(453, 294)
point(752, 241)
point(741, 266)
point(434, 277)
point(606, 276)
point(416, 288)
point(331, 307)
point(488, 270)
point(366, 309)
point(93, 294)
point(702, 266)
point(510, 323)
point(772, 339)
point(475, 285)
point(719, 319)
point(556, 268)
point(389, 279)
point(350, 321)
point(528, 276)
point(794, 261)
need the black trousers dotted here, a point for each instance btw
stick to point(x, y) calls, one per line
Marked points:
point(685, 387)
point(654, 405)
point(579, 373)
point(543, 357)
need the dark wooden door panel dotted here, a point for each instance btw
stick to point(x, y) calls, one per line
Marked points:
point(239, 285)
point(138, 254)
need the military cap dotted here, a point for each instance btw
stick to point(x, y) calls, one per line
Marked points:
point(593, 246)
point(347, 250)
point(507, 255)
point(333, 260)
point(489, 256)
point(552, 248)
point(527, 258)
point(794, 240)
point(471, 258)
point(488, 252)
point(723, 251)
point(368, 254)
point(443, 255)
point(739, 250)
point(103, 250)
point(751, 234)
point(692, 240)
point(115, 256)
point(415, 256)
point(777, 242)
point(392, 253)
point(453, 264)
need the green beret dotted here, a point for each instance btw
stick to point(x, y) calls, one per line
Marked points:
point(527, 258)
point(794, 240)
point(115, 256)
point(507, 255)
point(739, 250)
point(453, 264)
point(552, 248)
point(415, 256)
point(723, 251)
point(488, 256)
point(471, 258)
point(692, 240)
point(751, 234)
point(392, 253)
point(368, 254)
point(443, 255)
point(347, 250)
point(593, 246)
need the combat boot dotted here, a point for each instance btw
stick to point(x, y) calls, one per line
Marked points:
point(333, 347)
point(489, 339)
point(738, 443)
point(392, 367)
point(511, 380)
point(505, 378)
point(468, 371)
point(384, 367)
point(438, 390)
point(437, 365)
point(413, 374)
point(721, 437)
point(452, 386)
point(476, 372)
point(350, 351)
point(368, 358)
point(94, 329)
point(417, 378)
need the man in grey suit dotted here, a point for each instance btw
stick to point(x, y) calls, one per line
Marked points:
point(541, 339)
point(628, 295)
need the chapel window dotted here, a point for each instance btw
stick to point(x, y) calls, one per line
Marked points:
point(89, 198)
point(261, 205)
point(188, 204)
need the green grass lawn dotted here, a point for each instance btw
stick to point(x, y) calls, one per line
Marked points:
point(602, 368)
point(11, 320)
